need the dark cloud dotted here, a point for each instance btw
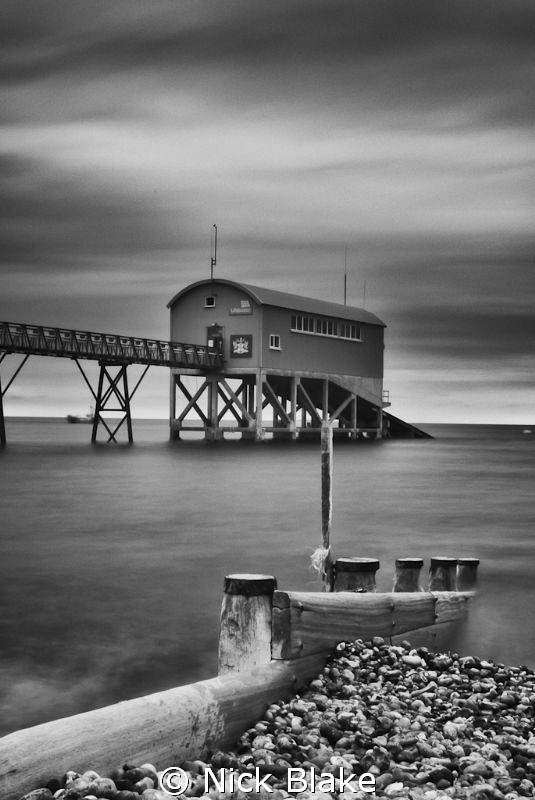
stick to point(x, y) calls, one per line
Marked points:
point(403, 130)
point(376, 54)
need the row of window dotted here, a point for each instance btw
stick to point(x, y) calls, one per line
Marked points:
point(318, 326)
point(321, 326)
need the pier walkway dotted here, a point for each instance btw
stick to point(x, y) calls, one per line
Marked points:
point(109, 350)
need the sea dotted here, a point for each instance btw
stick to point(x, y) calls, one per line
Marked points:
point(113, 555)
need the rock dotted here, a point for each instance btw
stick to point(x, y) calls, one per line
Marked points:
point(427, 726)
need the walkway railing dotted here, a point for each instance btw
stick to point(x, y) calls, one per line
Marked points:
point(107, 348)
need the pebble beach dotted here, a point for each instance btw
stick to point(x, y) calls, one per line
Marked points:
point(427, 726)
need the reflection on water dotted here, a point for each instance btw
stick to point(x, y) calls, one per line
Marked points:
point(114, 556)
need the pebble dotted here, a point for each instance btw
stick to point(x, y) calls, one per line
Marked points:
point(429, 726)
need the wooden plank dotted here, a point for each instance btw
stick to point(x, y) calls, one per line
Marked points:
point(451, 606)
point(434, 637)
point(307, 622)
point(166, 727)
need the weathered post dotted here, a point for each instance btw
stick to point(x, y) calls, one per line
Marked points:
point(407, 578)
point(467, 573)
point(245, 631)
point(326, 503)
point(355, 574)
point(442, 574)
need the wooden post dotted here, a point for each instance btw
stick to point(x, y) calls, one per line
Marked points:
point(326, 502)
point(259, 430)
point(325, 400)
point(354, 417)
point(355, 574)
point(442, 574)
point(467, 573)
point(408, 575)
point(245, 632)
point(293, 407)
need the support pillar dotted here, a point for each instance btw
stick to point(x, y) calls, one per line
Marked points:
point(114, 389)
point(293, 407)
point(109, 389)
point(354, 407)
point(259, 430)
point(325, 400)
point(3, 439)
point(245, 632)
point(379, 423)
point(213, 431)
point(174, 433)
point(248, 397)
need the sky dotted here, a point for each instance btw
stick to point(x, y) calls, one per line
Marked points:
point(399, 132)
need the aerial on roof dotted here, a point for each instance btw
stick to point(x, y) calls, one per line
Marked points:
point(271, 297)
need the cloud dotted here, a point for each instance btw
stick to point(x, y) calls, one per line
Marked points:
point(403, 131)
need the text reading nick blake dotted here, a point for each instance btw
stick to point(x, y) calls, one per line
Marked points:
point(175, 781)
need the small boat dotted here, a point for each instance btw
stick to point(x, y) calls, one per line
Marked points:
point(88, 419)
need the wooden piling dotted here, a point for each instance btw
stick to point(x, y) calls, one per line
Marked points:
point(355, 574)
point(443, 574)
point(326, 503)
point(467, 573)
point(407, 578)
point(245, 632)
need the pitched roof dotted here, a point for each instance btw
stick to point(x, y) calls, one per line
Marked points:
point(295, 302)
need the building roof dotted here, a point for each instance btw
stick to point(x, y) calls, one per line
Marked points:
point(308, 305)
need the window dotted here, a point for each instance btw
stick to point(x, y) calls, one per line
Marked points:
point(209, 301)
point(324, 326)
point(274, 341)
point(348, 330)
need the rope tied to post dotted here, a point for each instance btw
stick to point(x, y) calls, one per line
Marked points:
point(322, 562)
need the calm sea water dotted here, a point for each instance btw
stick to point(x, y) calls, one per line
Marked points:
point(113, 557)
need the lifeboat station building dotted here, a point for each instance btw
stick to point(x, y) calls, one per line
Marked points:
point(289, 364)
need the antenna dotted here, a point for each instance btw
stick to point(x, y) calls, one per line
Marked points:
point(364, 295)
point(213, 259)
point(345, 277)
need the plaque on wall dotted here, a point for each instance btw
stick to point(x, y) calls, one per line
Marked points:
point(241, 346)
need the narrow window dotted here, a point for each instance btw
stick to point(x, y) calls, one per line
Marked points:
point(209, 301)
point(274, 341)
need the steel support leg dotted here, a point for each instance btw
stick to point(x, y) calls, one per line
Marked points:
point(3, 439)
point(112, 389)
point(2, 423)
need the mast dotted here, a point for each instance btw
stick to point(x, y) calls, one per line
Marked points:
point(213, 259)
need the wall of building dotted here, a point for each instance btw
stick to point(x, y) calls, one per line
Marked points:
point(234, 310)
point(325, 354)
point(246, 335)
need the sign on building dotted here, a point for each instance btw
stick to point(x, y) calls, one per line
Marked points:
point(241, 346)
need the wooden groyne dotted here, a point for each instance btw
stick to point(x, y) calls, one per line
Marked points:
point(271, 643)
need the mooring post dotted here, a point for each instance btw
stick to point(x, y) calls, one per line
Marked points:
point(442, 574)
point(355, 574)
point(467, 573)
point(407, 578)
point(326, 503)
point(245, 631)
